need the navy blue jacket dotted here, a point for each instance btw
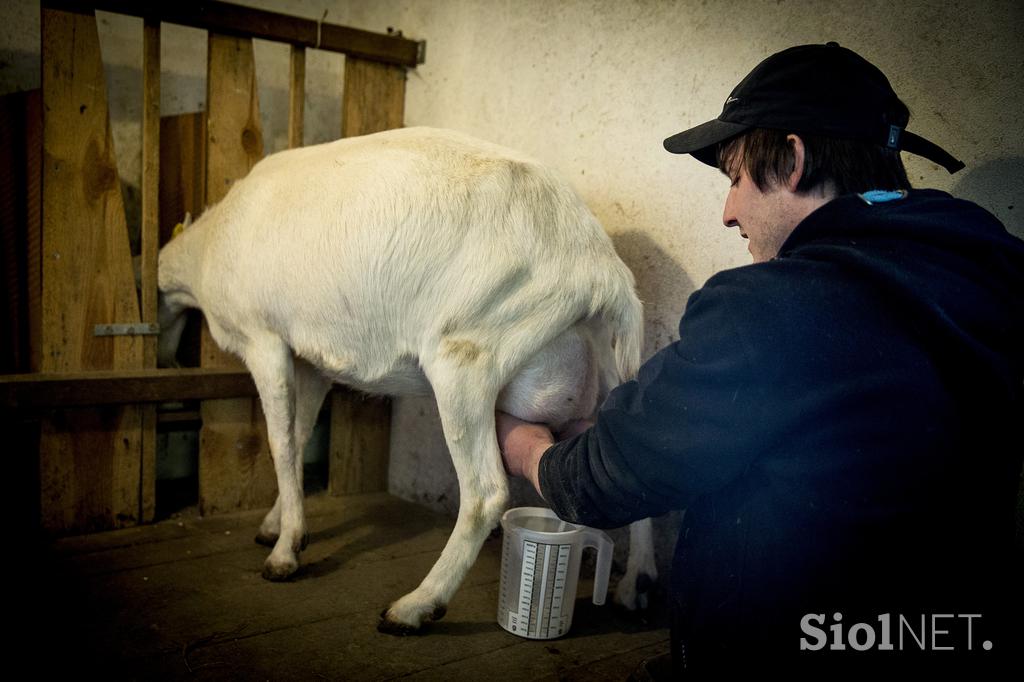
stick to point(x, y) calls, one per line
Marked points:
point(842, 426)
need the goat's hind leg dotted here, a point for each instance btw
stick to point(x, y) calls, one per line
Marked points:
point(270, 362)
point(465, 400)
point(641, 570)
point(311, 386)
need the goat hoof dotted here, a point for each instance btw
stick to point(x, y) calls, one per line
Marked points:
point(636, 596)
point(279, 573)
point(266, 539)
point(391, 626)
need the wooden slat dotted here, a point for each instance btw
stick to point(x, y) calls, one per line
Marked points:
point(87, 269)
point(182, 169)
point(20, 148)
point(150, 179)
point(13, 334)
point(112, 387)
point(235, 467)
point(34, 225)
point(234, 134)
point(182, 190)
point(90, 460)
point(150, 246)
point(373, 99)
point(359, 443)
point(296, 96)
point(246, 22)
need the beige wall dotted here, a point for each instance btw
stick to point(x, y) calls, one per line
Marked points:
point(592, 88)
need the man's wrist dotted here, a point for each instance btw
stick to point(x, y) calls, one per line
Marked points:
point(536, 454)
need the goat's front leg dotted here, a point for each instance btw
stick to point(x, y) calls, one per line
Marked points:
point(310, 389)
point(465, 399)
point(270, 361)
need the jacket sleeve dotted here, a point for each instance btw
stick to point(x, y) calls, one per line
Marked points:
point(684, 427)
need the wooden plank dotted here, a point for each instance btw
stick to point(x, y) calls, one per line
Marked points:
point(373, 98)
point(90, 460)
point(34, 225)
point(113, 387)
point(296, 96)
point(12, 255)
point(235, 467)
point(182, 170)
point(18, 189)
point(21, 127)
point(150, 246)
point(360, 439)
point(87, 268)
point(183, 190)
point(150, 180)
point(246, 22)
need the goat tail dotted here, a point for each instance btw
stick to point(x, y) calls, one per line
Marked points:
point(628, 334)
point(621, 313)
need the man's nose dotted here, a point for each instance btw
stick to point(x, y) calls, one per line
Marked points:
point(729, 214)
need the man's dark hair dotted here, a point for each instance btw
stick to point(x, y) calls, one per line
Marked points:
point(845, 166)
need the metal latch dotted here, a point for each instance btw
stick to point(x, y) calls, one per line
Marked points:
point(137, 329)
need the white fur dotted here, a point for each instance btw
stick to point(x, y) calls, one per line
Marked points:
point(401, 263)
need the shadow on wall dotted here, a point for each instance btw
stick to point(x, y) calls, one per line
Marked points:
point(661, 283)
point(996, 185)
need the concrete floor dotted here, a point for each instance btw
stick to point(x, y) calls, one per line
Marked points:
point(183, 599)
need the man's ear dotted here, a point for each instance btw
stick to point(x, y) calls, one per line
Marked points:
point(797, 145)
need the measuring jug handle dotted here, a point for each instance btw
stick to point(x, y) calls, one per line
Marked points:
point(600, 541)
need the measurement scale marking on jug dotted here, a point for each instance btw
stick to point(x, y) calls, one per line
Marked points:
point(526, 585)
point(555, 624)
point(543, 624)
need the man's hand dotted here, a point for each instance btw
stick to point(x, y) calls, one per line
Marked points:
point(522, 445)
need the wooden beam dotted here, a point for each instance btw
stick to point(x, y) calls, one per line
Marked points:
point(150, 245)
point(113, 387)
point(359, 443)
point(34, 224)
point(373, 99)
point(87, 265)
point(150, 180)
point(90, 460)
point(235, 466)
point(21, 126)
point(246, 22)
point(182, 171)
point(296, 96)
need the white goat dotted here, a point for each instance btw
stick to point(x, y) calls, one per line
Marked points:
point(399, 263)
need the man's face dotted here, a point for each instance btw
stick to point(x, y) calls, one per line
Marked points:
point(765, 218)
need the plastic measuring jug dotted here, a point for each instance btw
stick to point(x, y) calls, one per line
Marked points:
point(540, 565)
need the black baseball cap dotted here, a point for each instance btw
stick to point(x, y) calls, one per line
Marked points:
point(813, 89)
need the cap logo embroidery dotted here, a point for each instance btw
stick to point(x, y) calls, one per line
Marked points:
point(731, 100)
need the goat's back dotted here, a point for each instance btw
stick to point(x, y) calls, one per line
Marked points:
point(364, 251)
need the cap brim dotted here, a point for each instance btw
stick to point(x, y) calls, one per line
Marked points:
point(702, 141)
point(915, 144)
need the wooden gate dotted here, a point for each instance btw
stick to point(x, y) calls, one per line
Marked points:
point(96, 384)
